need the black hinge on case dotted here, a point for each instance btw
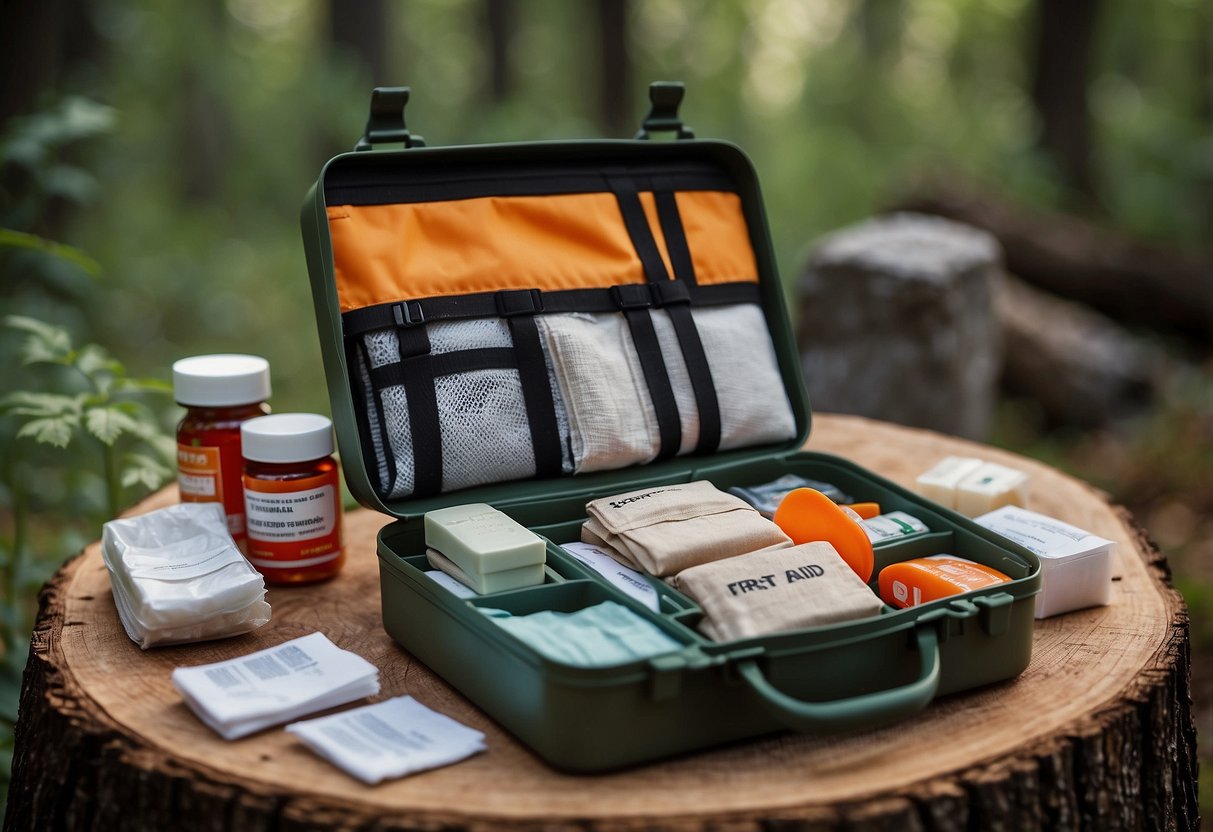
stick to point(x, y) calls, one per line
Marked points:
point(663, 117)
point(385, 125)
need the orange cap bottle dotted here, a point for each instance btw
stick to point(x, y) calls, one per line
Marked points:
point(922, 580)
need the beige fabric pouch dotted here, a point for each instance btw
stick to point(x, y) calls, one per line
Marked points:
point(668, 528)
point(776, 589)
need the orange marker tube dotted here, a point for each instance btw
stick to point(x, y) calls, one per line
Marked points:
point(922, 580)
point(806, 515)
point(865, 510)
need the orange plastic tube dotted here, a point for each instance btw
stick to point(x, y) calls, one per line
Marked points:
point(922, 580)
point(865, 510)
point(806, 515)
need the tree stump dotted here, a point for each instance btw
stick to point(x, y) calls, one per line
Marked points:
point(1097, 733)
point(897, 322)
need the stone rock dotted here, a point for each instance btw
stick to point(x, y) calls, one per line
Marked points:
point(897, 322)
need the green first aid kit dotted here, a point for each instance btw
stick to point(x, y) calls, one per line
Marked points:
point(537, 325)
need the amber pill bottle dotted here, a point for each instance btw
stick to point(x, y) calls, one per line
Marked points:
point(219, 393)
point(292, 498)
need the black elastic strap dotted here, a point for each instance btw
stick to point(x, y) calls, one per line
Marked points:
point(357, 322)
point(443, 364)
point(700, 373)
point(640, 322)
point(675, 236)
point(644, 336)
point(696, 359)
point(637, 224)
point(537, 395)
point(423, 412)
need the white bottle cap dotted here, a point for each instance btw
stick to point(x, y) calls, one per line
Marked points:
point(221, 380)
point(287, 437)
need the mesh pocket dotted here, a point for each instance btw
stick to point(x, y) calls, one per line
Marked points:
point(482, 417)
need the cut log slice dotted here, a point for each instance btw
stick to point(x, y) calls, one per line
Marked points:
point(1096, 733)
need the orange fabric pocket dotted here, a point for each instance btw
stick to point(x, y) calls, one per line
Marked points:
point(384, 253)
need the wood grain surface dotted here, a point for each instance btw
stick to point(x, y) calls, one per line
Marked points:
point(1096, 727)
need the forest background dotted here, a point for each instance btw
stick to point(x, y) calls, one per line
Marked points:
point(154, 155)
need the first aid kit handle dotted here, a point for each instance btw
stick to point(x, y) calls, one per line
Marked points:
point(858, 711)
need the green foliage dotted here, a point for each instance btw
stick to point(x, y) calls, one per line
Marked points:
point(79, 436)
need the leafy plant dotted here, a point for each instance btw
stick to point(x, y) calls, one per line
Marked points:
point(91, 409)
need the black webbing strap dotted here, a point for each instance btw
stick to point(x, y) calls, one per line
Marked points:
point(644, 336)
point(696, 359)
point(675, 236)
point(537, 395)
point(443, 364)
point(357, 322)
point(635, 306)
point(418, 384)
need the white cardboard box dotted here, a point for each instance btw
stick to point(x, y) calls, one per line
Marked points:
point(1076, 566)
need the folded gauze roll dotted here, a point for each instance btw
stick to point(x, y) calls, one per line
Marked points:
point(776, 589)
point(668, 528)
point(612, 423)
point(611, 417)
point(754, 406)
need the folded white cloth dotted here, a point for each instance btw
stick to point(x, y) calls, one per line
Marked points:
point(177, 576)
point(754, 406)
point(776, 589)
point(612, 423)
point(667, 528)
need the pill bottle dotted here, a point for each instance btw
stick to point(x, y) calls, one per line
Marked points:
point(291, 498)
point(219, 393)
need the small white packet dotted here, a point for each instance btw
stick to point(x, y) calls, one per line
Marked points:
point(177, 576)
point(1075, 565)
point(631, 582)
point(450, 584)
point(243, 695)
point(388, 739)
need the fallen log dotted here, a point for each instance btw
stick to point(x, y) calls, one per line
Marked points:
point(1081, 367)
point(1130, 280)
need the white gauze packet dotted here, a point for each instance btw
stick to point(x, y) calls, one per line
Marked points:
point(177, 576)
point(388, 739)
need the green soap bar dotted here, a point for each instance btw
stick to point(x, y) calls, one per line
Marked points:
point(518, 578)
point(481, 540)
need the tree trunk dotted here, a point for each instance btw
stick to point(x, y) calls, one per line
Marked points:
point(1097, 733)
point(1061, 76)
point(361, 29)
point(1131, 281)
point(500, 23)
point(615, 70)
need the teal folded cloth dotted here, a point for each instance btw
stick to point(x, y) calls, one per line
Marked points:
point(598, 636)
